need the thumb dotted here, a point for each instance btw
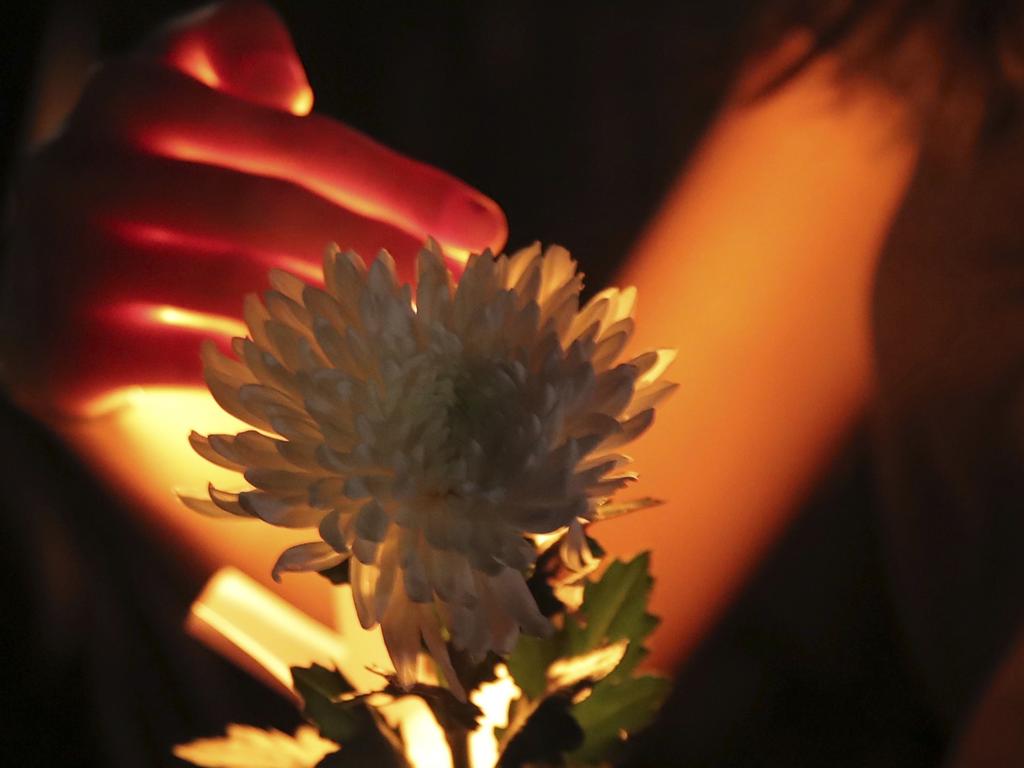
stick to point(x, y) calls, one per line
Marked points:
point(239, 47)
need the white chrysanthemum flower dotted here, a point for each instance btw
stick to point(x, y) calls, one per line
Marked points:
point(431, 440)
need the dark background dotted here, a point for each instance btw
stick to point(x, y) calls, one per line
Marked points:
point(575, 118)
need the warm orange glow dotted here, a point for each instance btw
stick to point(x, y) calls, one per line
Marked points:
point(758, 270)
point(140, 449)
point(265, 70)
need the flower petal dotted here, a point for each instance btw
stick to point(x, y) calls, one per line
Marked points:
point(415, 581)
point(510, 590)
point(314, 556)
point(286, 512)
point(401, 629)
point(363, 578)
point(372, 521)
point(438, 650)
point(228, 502)
point(204, 507)
point(650, 397)
point(331, 531)
point(632, 428)
point(201, 445)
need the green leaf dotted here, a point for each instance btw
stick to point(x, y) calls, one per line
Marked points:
point(529, 661)
point(614, 608)
point(330, 703)
point(320, 688)
point(360, 754)
point(321, 680)
point(613, 709)
point(451, 713)
point(635, 653)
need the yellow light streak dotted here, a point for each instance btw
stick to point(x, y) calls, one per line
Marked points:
point(260, 632)
point(206, 321)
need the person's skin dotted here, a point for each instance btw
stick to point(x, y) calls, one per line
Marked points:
point(758, 269)
point(187, 170)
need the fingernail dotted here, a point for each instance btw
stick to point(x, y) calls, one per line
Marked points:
point(472, 222)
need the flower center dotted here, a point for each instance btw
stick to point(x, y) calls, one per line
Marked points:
point(468, 415)
point(482, 396)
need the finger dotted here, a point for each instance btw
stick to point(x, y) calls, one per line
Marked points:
point(120, 347)
point(87, 344)
point(122, 231)
point(181, 234)
point(167, 114)
point(241, 48)
point(118, 328)
point(109, 333)
point(256, 215)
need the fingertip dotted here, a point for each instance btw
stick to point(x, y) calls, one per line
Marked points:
point(302, 101)
point(472, 222)
point(272, 78)
point(240, 47)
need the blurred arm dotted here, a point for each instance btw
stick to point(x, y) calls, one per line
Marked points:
point(758, 269)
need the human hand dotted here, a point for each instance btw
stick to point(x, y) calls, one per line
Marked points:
point(187, 170)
